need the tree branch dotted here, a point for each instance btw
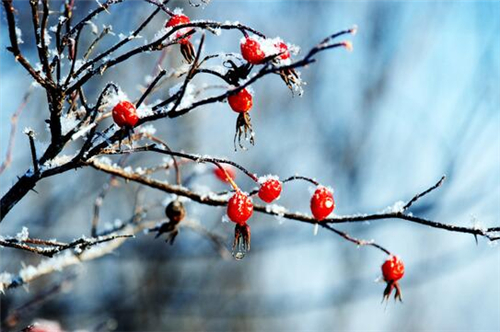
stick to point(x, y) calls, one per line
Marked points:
point(275, 210)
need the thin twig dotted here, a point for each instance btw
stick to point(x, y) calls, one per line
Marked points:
point(13, 128)
point(34, 159)
point(422, 194)
point(359, 242)
point(82, 244)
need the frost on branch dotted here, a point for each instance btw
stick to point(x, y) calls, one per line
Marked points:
point(75, 109)
point(23, 234)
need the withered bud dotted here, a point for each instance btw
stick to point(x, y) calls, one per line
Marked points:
point(244, 131)
point(187, 50)
point(241, 243)
point(175, 211)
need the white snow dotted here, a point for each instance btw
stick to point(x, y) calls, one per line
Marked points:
point(82, 131)
point(113, 98)
point(105, 161)
point(5, 280)
point(144, 111)
point(23, 235)
point(268, 177)
point(276, 209)
point(57, 161)
point(68, 122)
point(28, 130)
point(19, 36)
point(178, 11)
point(188, 98)
point(148, 129)
point(395, 208)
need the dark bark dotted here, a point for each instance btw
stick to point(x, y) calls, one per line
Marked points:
point(17, 192)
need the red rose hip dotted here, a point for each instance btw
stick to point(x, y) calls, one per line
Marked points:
point(252, 51)
point(270, 190)
point(179, 19)
point(125, 114)
point(241, 102)
point(322, 203)
point(239, 208)
point(393, 269)
point(282, 50)
point(221, 175)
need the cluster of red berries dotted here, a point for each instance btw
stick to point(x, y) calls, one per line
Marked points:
point(253, 51)
point(240, 207)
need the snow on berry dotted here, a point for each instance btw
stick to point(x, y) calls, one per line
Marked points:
point(270, 189)
point(282, 49)
point(180, 19)
point(241, 101)
point(251, 49)
point(255, 49)
point(322, 203)
point(125, 114)
point(239, 208)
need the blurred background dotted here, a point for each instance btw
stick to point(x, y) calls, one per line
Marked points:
point(417, 98)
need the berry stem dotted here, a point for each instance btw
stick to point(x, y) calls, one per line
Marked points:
point(199, 159)
point(349, 238)
point(228, 178)
point(176, 165)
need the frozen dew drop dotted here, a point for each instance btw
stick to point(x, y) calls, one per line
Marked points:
point(239, 254)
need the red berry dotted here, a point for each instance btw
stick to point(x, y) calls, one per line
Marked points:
point(125, 114)
point(178, 20)
point(283, 50)
point(239, 208)
point(251, 51)
point(393, 269)
point(241, 102)
point(270, 190)
point(222, 176)
point(322, 203)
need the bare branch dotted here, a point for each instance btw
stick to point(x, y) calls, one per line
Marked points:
point(53, 247)
point(14, 48)
point(34, 159)
point(59, 262)
point(422, 194)
point(13, 128)
point(355, 240)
